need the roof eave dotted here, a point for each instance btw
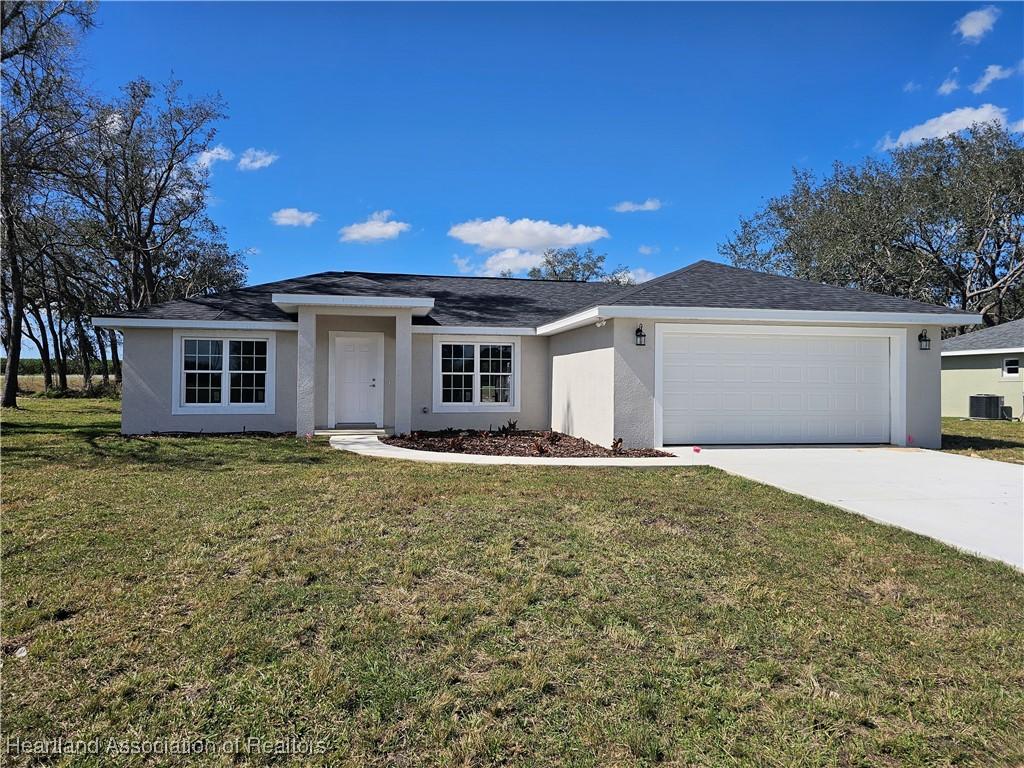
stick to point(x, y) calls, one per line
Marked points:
point(119, 323)
point(988, 351)
point(605, 312)
point(290, 302)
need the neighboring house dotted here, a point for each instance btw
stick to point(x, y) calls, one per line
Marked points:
point(706, 354)
point(985, 362)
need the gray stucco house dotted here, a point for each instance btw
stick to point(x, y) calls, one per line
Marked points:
point(706, 354)
point(986, 362)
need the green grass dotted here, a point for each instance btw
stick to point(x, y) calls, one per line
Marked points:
point(414, 614)
point(998, 440)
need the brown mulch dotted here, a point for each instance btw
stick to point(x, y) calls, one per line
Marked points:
point(517, 443)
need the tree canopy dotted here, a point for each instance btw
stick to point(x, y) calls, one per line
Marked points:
point(570, 264)
point(940, 221)
point(104, 199)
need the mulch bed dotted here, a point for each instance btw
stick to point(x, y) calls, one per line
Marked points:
point(517, 443)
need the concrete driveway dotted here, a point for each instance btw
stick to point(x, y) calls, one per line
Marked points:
point(974, 504)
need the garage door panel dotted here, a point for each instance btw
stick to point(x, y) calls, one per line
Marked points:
point(772, 388)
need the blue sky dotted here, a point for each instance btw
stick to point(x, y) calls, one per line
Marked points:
point(466, 138)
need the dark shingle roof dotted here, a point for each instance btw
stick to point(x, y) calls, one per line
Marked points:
point(483, 301)
point(709, 284)
point(496, 301)
point(1005, 336)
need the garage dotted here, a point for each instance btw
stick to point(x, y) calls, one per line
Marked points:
point(773, 384)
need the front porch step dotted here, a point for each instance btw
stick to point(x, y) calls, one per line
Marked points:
point(349, 431)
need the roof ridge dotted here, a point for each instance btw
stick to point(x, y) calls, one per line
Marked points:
point(643, 286)
point(370, 275)
point(488, 277)
point(819, 284)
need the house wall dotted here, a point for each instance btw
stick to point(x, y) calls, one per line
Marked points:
point(966, 375)
point(147, 377)
point(924, 387)
point(634, 385)
point(534, 382)
point(583, 383)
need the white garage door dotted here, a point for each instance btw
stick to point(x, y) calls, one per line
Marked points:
point(774, 388)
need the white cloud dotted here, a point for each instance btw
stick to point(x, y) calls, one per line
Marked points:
point(648, 250)
point(992, 73)
point(945, 124)
point(976, 24)
point(253, 159)
point(911, 86)
point(210, 156)
point(527, 234)
point(293, 217)
point(950, 84)
point(641, 275)
point(376, 228)
point(463, 264)
point(628, 206)
point(1018, 127)
point(512, 260)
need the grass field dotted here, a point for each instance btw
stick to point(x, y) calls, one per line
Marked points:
point(413, 614)
point(35, 383)
point(998, 440)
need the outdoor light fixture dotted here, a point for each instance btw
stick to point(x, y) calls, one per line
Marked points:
point(923, 341)
point(641, 337)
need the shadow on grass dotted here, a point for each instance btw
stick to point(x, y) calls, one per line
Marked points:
point(962, 443)
point(99, 442)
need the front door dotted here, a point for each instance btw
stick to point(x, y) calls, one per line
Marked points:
point(359, 380)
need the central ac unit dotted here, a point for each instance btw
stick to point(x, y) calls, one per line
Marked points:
point(986, 407)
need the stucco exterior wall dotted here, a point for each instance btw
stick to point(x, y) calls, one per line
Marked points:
point(634, 385)
point(147, 385)
point(534, 382)
point(924, 386)
point(966, 375)
point(583, 383)
point(591, 382)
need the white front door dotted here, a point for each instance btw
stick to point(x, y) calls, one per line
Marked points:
point(359, 379)
point(774, 388)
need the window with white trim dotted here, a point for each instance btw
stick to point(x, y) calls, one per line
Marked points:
point(473, 374)
point(1011, 367)
point(203, 361)
point(223, 373)
point(247, 367)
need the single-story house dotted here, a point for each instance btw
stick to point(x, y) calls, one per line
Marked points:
point(985, 362)
point(706, 354)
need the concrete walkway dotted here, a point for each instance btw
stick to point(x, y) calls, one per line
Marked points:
point(975, 505)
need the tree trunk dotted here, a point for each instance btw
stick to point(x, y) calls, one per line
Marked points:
point(115, 357)
point(85, 353)
point(59, 354)
point(43, 344)
point(17, 299)
point(101, 346)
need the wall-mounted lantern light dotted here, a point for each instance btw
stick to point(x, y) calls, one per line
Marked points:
point(923, 342)
point(641, 337)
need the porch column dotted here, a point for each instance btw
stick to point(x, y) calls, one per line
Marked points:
point(403, 372)
point(306, 372)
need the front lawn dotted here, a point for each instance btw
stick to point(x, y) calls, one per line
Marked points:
point(998, 440)
point(421, 614)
